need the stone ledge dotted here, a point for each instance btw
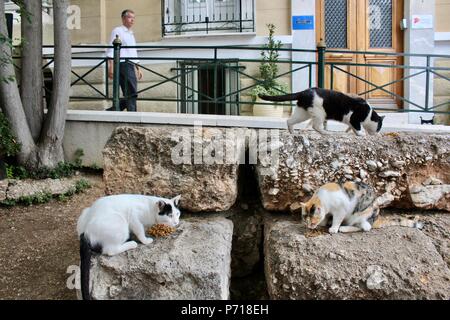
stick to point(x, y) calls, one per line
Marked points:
point(191, 264)
point(390, 263)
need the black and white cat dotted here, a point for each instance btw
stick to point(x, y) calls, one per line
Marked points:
point(320, 105)
point(430, 121)
point(105, 226)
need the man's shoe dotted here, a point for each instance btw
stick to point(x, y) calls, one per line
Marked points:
point(110, 109)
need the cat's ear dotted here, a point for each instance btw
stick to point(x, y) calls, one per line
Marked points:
point(382, 118)
point(161, 205)
point(176, 200)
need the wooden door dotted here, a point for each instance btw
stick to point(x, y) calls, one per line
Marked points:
point(363, 25)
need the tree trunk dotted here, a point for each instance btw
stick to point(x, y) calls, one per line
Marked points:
point(50, 145)
point(9, 94)
point(31, 89)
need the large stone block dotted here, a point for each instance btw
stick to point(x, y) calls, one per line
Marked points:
point(193, 264)
point(201, 164)
point(390, 263)
point(414, 168)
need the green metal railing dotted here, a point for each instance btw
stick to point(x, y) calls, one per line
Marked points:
point(236, 60)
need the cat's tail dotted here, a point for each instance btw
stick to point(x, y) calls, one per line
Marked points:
point(382, 222)
point(85, 266)
point(285, 97)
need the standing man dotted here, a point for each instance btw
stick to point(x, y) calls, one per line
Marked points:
point(129, 72)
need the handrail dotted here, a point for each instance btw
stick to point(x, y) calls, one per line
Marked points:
point(211, 56)
point(257, 48)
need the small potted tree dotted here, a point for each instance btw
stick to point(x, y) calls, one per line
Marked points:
point(269, 85)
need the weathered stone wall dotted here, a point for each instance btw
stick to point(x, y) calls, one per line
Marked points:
point(387, 263)
point(414, 168)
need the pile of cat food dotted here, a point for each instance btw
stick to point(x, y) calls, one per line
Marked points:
point(160, 230)
point(392, 134)
point(315, 233)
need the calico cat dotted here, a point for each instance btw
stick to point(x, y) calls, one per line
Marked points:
point(352, 206)
point(320, 105)
point(105, 226)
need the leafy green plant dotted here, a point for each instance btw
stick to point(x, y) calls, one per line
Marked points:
point(62, 170)
point(8, 144)
point(82, 185)
point(79, 154)
point(268, 69)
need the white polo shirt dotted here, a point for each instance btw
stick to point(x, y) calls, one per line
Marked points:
point(127, 37)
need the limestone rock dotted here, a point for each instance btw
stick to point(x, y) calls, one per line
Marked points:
point(202, 166)
point(437, 228)
point(389, 263)
point(25, 188)
point(371, 165)
point(193, 264)
point(431, 196)
point(387, 174)
point(394, 163)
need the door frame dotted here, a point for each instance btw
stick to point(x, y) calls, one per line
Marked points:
point(356, 10)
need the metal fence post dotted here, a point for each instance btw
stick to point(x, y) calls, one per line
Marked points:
point(427, 84)
point(116, 94)
point(321, 48)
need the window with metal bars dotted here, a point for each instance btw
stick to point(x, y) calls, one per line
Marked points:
point(207, 16)
point(208, 88)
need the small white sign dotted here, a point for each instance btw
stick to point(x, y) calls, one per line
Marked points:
point(422, 21)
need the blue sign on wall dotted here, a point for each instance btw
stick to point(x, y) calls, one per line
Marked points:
point(303, 22)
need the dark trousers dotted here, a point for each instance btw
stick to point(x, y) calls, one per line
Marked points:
point(128, 83)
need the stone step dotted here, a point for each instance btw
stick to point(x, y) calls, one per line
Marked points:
point(390, 263)
point(191, 264)
point(170, 160)
point(397, 163)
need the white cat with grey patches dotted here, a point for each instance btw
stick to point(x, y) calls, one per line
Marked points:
point(320, 105)
point(105, 227)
